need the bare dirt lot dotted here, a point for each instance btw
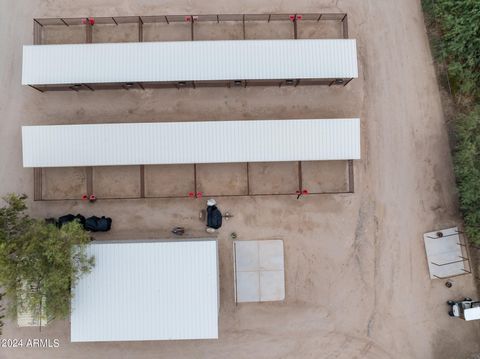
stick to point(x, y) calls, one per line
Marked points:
point(357, 283)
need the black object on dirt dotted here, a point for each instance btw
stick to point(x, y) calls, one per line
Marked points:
point(93, 224)
point(96, 224)
point(70, 218)
point(179, 231)
point(214, 217)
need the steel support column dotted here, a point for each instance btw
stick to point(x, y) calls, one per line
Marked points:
point(142, 181)
point(37, 184)
point(351, 177)
point(345, 26)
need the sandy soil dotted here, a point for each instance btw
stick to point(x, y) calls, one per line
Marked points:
point(356, 275)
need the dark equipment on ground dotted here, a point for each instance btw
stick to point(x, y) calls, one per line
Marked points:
point(214, 217)
point(92, 224)
point(70, 218)
point(179, 231)
point(96, 224)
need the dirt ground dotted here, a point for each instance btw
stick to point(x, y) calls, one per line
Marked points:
point(357, 283)
point(217, 179)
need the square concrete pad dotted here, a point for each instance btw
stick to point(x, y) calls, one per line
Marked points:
point(325, 176)
point(259, 271)
point(248, 287)
point(246, 256)
point(168, 180)
point(64, 183)
point(270, 255)
point(272, 286)
point(116, 181)
point(222, 178)
point(273, 177)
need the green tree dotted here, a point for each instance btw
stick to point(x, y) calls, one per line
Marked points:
point(39, 262)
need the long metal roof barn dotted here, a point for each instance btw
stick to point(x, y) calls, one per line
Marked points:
point(148, 290)
point(191, 142)
point(178, 61)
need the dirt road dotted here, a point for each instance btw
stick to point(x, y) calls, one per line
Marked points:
point(356, 274)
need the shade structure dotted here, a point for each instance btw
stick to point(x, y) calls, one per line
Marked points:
point(148, 290)
point(175, 61)
point(447, 255)
point(191, 142)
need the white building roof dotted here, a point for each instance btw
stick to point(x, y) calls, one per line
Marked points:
point(471, 313)
point(190, 142)
point(189, 61)
point(148, 290)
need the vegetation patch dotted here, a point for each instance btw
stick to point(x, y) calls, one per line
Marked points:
point(39, 262)
point(454, 30)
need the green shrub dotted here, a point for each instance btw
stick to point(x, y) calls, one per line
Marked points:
point(467, 170)
point(39, 262)
point(459, 21)
point(454, 29)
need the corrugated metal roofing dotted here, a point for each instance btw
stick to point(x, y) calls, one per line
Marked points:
point(189, 61)
point(191, 142)
point(148, 290)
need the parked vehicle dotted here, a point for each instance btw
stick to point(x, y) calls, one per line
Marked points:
point(465, 309)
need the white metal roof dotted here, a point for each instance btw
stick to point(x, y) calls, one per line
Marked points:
point(471, 313)
point(190, 142)
point(189, 61)
point(148, 290)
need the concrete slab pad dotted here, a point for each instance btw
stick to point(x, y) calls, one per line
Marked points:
point(325, 176)
point(248, 287)
point(116, 181)
point(259, 271)
point(64, 183)
point(222, 179)
point(272, 286)
point(247, 256)
point(270, 255)
point(273, 177)
point(168, 180)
